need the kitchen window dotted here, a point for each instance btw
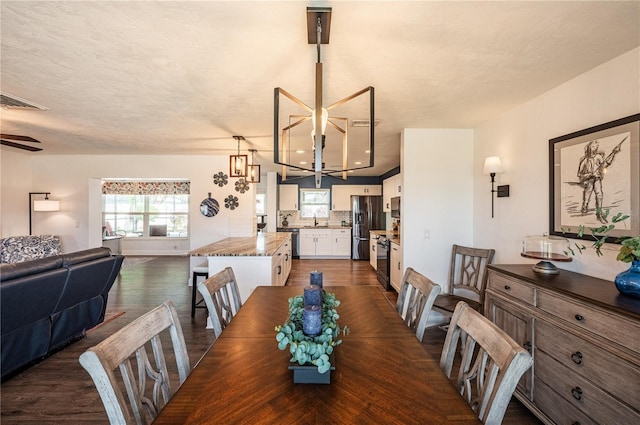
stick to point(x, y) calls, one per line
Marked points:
point(315, 203)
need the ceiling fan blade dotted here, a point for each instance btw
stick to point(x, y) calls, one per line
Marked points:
point(20, 138)
point(19, 145)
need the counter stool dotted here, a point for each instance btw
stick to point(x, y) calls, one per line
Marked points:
point(198, 271)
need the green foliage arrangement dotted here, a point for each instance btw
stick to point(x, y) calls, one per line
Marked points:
point(307, 349)
point(630, 249)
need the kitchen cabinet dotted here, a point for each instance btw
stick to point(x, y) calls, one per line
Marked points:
point(281, 264)
point(391, 187)
point(288, 199)
point(341, 194)
point(373, 253)
point(582, 335)
point(315, 243)
point(340, 197)
point(325, 243)
point(395, 264)
point(341, 239)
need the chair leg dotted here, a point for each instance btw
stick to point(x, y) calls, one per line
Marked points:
point(194, 284)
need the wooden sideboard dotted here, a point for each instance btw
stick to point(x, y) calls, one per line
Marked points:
point(584, 337)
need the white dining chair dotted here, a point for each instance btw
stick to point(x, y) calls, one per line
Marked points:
point(492, 363)
point(417, 295)
point(222, 297)
point(129, 345)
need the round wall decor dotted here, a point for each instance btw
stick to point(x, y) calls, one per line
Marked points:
point(220, 179)
point(242, 186)
point(231, 202)
point(209, 206)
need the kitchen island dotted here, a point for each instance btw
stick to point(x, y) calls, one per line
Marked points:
point(261, 260)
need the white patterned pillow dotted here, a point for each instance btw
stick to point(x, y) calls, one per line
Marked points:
point(16, 249)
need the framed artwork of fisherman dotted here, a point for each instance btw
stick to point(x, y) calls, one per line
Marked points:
point(593, 175)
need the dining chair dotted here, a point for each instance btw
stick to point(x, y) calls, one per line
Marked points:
point(492, 363)
point(222, 297)
point(117, 352)
point(467, 279)
point(417, 294)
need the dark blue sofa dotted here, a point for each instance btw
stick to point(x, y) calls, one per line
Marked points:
point(50, 302)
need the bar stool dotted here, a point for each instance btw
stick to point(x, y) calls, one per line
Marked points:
point(198, 271)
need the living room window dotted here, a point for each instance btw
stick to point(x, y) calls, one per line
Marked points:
point(141, 214)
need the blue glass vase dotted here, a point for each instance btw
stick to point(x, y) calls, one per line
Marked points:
point(628, 282)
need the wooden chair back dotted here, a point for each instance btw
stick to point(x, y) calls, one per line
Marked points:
point(119, 351)
point(417, 294)
point(492, 363)
point(222, 297)
point(468, 271)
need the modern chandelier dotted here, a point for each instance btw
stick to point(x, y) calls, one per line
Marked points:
point(338, 144)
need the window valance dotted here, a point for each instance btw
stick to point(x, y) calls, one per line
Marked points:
point(145, 187)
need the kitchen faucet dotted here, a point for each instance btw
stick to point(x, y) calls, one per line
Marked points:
point(315, 221)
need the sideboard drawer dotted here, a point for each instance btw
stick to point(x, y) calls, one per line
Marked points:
point(582, 394)
point(511, 287)
point(615, 328)
point(558, 409)
point(613, 374)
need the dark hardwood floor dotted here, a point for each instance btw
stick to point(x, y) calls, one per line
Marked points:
point(59, 391)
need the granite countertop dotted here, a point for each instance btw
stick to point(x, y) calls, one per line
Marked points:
point(392, 236)
point(313, 227)
point(263, 245)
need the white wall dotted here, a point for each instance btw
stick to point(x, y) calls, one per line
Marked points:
point(521, 138)
point(437, 196)
point(67, 177)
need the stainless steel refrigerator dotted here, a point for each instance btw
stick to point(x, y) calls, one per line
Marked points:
point(366, 215)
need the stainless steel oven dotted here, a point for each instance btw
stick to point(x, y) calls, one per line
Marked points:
point(383, 262)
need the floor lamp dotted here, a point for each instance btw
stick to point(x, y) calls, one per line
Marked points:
point(42, 205)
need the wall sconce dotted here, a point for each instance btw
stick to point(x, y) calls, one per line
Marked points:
point(238, 163)
point(45, 204)
point(493, 166)
point(253, 176)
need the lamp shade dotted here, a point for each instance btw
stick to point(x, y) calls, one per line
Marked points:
point(46, 205)
point(493, 164)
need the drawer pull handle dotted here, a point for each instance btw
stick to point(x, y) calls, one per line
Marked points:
point(575, 423)
point(579, 317)
point(577, 393)
point(577, 357)
point(507, 287)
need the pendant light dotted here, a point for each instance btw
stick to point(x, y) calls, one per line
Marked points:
point(238, 163)
point(253, 176)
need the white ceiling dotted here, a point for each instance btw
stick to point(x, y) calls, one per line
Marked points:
point(182, 77)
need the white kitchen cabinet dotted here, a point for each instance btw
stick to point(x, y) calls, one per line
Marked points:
point(281, 264)
point(288, 199)
point(368, 190)
point(341, 194)
point(315, 243)
point(373, 251)
point(340, 197)
point(395, 265)
point(341, 239)
point(391, 187)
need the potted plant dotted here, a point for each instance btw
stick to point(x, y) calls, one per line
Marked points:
point(284, 217)
point(627, 282)
point(315, 351)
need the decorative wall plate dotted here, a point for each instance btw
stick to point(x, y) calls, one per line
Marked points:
point(231, 202)
point(242, 186)
point(209, 206)
point(220, 179)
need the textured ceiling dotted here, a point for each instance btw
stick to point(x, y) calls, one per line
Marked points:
point(183, 77)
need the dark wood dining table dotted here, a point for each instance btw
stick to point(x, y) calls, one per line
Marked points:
point(382, 373)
